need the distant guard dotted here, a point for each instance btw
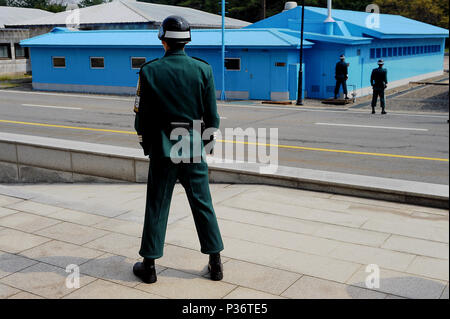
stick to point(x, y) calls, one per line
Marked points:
point(379, 82)
point(174, 93)
point(341, 77)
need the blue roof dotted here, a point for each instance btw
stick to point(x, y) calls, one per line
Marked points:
point(389, 24)
point(148, 38)
point(354, 22)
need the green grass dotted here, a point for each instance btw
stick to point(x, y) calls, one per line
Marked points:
point(8, 85)
point(14, 77)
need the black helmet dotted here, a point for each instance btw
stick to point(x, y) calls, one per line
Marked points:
point(175, 29)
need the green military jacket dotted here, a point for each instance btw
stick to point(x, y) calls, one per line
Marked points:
point(174, 88)
point(378, 78)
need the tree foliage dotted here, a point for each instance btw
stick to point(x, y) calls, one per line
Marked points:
point(430, 11)
point(434, 12)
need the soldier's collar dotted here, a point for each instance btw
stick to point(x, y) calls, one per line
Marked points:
point(175, 52)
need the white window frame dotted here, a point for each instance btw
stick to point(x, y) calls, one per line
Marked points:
point(136, 57)
point(96, 57)
point(240, 64)
point(59, 67)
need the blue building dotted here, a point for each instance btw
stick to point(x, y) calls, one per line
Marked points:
point(262, 60)
point(412, 50)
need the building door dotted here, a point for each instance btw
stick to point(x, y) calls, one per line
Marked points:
point(328, 82)
point(259, 75)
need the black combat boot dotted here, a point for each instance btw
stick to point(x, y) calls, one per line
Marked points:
point(145, 270)
point(215, 267)
point(373, 110)
point(383, 111)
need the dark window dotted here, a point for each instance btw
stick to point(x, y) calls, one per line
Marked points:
point(136, 63)
point(233, 64)
point(405, 50)
point(358, 52)
point(5, 51)
point(413, 52)
point(378, 53)
point(97, 62)
point(280, 64)
point(438, 48)
point(20, 52)
point(59, 62)
point(409, 50)
point(372, 53)
point(400, 51)
point(389, 51)
point(384, 52)
point(394, 52)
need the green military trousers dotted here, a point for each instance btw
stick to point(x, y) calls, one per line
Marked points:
point(162, 176)
point(378, 92)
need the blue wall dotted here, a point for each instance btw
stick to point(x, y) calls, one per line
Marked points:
point(258, 74)
point(321, 61)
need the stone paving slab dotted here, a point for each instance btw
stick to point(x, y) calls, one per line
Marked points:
point(109, 290)
point(315, 288)
point(279, 243)
point(402, 284)
point(27, 222)
point(11, 263)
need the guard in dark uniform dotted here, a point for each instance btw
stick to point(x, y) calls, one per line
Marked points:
point(341, 77)
point(378, 80)
point(173, 92)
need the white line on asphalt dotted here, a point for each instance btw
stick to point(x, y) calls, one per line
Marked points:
point(294, 108)
point(54, 106)
point(370, 126)
point(71, 95)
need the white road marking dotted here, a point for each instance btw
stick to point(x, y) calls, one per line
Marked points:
point(305, 109)
point(223, 118)
point(71, 95)
point(380, 127)
point(293, 108)
point(54, 106)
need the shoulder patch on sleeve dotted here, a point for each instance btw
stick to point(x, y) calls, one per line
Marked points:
point(200, 60)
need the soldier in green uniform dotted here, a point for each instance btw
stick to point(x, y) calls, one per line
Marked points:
point(173, 92)
point(378, 80)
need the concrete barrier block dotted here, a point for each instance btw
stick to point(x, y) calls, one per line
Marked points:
point(29, 174)
point(8, 152)
point(141, 171)
point(9, 173)
point(44, 157)
point(103, 166)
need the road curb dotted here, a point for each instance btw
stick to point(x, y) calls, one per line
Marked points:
point(31, 159)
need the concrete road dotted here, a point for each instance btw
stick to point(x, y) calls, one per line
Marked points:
point(400, 145)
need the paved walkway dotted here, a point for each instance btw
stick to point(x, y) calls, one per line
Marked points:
point(279, 243)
